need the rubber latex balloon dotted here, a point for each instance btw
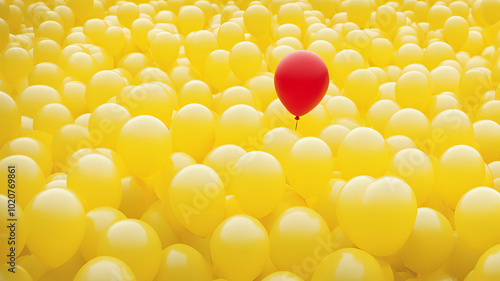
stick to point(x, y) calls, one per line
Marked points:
point(20, 274)
point(349, 264)
point(136, 244)
point(156, 218)
point(416, 169)
point(458, 170)
point(150, 99)
point(16, 63)
point(456, 31)
point(282, 276)
point(164, 48)
point(101, 87)
point(52, 117)
point(487, 8)
point(486, 134)
point(190, 18)
point(105, 268)
point(33, 98)
point(32, 148)
point(199, 46)
point(96, 223)
point(327, 202)
point(361, 86)
point(240, 124)
point(259, 184)
point(229, 34)
point(245, 60)
point(106, 122)
point(430, 243)
point(196, 91)
point(478, 207)
point(19, 233)
point(487, 266)
point(217, 68)
point(181, 262)
point(10, 119)
point(413, 90)
point(279, 142)
point(223, 159)
point(193, 131)
point(299, 241)
point(162, 179)
point(363, 151)
point(448, 128)
point(197, 198)
point(309, 166)
point(360, 204)
point(234, 236)
point(57, 221)
point(257, 20)
point(144, 144)
point(29, 178)
point(301, 81)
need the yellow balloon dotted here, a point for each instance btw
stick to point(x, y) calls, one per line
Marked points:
point(448, 128)
point(15, 63)
point(309, 166)
point(259, 184)
point(456, 31)
point(240, 234)
point(345, 62)
point(4, 34)
point(164, 48)
point(430, 243)
point(20, 274)
point(229, 34)
point(277, 54)
point(28, 178)
point(155, 217)
point(413, 90)
point(181, 262)
point(33, 98)
point(198, 46)
point(291, 13)
point(52, 117)
point(361, 86)
point(57, 220)
point(299, 241)
point(149, 98)
point(46, 73)
point(15, 235)
point(223, 159)
point(96, 180)
point(105, 123)
point(127, 13)
point(67, 140)
point(103, 86)
point(80, 67)
point(10, 119)
point(105, 268)
point(487, 266)
point(486, 134)
point(379, 114)
point(245, 60)
point(197, 197)
point(193, 130)
point(409, 54)
point(235, 95)
point(241, 125)
point(416, 169)
point(257, 20)
point(358, 12)
point(389, 201)
point(487, 8)
point(436, 53)
point(381, 52)
point(96, 223)
point(349, 264)
point(162, 179)
point(363, 151)
point(32, 148)
point(478, 208)
point(144, 144)
point(190, 18)
point(136, 244)
point(217, 69)
point(458, 170)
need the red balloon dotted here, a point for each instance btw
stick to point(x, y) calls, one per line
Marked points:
point(301, 81)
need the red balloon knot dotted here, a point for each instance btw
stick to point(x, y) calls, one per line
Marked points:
point(297, 118)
